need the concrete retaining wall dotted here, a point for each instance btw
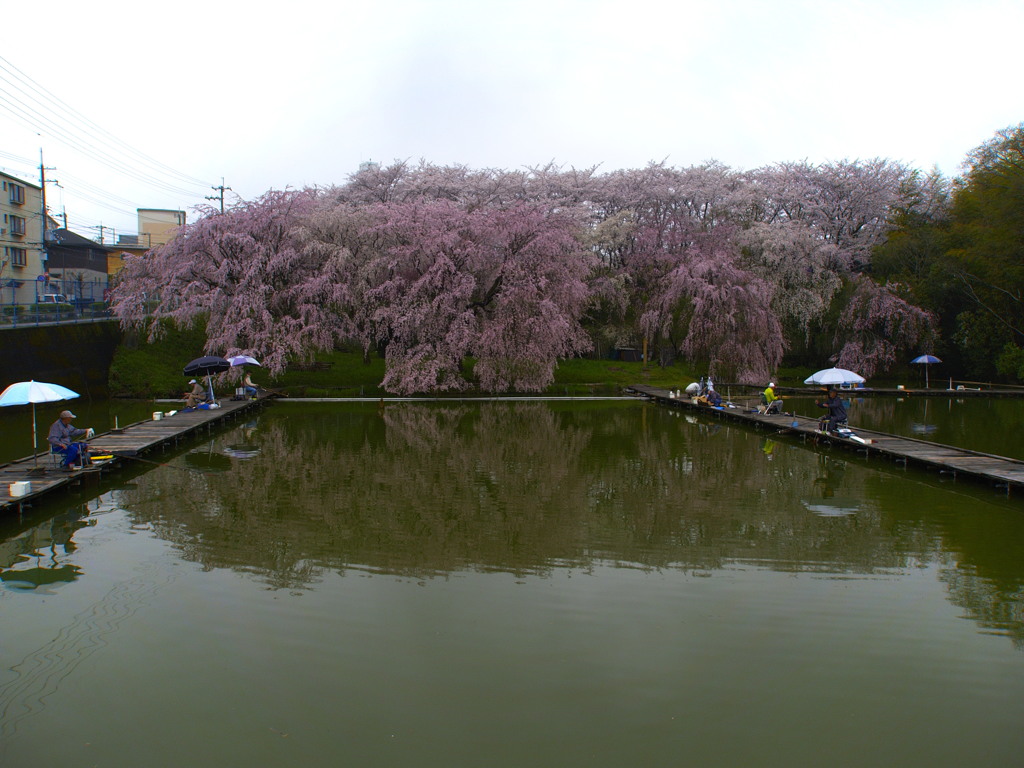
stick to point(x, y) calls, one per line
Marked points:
point(74, 355)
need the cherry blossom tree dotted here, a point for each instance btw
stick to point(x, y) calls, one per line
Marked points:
point(876, 325)
point(438, 283)
point(724, 315)
point(441, 268)
point(246, 274)
point(845, 203)
point(797, 264)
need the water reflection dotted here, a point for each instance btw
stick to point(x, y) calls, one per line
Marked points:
point(429, 584)
point(525, 488)
point(32, 578)
point(35, 558)
point(209, 458)
point(826, 502)
point(246, 449)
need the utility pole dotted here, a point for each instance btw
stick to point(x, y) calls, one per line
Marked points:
point(44, 257)
point(222, 189)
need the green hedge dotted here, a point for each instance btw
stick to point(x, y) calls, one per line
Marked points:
point(51, 309)
point(144, 370)
point(38, 310)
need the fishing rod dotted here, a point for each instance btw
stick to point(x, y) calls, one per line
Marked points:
point(154, 463)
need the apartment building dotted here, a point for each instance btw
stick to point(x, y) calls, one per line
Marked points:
point(22, 266)
point(76, 266)
point(158, 226)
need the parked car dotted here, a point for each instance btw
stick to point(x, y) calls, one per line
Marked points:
point(53, 298)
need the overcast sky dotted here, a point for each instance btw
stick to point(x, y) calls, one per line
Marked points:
point(150, 105)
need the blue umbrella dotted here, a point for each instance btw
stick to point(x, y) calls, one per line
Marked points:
point(925, 360)
point(25, 392)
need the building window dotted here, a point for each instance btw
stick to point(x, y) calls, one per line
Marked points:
point(17, 225)
point(17, 194)
point(19, 257)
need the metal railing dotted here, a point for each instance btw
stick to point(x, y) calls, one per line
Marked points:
point(20, 316)
point(39, 302)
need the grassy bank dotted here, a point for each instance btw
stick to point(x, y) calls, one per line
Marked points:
point(153, 370)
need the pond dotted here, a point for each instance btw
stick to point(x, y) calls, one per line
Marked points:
point(509, 584)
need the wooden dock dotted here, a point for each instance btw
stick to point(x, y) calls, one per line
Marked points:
point(123, 445)
point(988, 391)
point(999, 471)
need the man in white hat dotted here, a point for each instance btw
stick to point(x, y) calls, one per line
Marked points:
point(196, 396)
point(772, 403)
point(62, 439)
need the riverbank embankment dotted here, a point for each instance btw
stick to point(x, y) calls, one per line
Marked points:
point(76, 355)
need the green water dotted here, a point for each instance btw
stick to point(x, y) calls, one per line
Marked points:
point(510, 584)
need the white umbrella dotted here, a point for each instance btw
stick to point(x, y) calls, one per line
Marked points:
point(25, 392)
point(837, 508)
point(834, 376)
point(925, 360)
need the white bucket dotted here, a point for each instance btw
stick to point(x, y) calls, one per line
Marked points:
point(20, 488)
point(157, 415)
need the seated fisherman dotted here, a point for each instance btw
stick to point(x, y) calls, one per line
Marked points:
point(62, 440)
point(772, 404)
point(714, 399)
point(196, 396)
point(250, 388)
point(836, 411)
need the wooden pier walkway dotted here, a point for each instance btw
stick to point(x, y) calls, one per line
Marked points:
point(751, 390)
point(124, 444)
point(1000, 471)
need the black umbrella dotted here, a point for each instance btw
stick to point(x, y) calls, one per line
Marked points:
point(206, 366)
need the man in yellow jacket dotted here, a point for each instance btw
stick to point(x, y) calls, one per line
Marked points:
point(772, 404)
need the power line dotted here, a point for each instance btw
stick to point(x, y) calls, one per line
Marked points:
point(39, 122)
point(34, 107)
point(41, 96)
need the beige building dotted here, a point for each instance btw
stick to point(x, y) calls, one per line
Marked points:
point(22, 269)
point(158, 226)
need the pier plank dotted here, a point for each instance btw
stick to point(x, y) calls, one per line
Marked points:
point(999, 470)
point(125, 443)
